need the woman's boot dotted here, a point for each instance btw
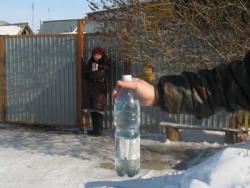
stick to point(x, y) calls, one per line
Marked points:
point(97, 121)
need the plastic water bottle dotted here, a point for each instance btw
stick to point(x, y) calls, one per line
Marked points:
point(127, 135)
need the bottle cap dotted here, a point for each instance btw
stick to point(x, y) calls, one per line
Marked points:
point(126, 77)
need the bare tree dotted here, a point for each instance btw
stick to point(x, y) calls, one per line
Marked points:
point(184, 34)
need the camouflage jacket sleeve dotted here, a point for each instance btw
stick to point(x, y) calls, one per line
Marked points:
point(207, 91)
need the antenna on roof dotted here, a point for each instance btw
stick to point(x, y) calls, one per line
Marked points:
point(48, 13)
point(33, 9)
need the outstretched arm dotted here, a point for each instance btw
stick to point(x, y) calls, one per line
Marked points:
point(207, 91)
point(201, 93)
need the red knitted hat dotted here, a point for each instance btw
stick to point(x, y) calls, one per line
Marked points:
point(97, 50)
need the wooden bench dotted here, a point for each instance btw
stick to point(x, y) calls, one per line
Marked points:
point(172, 131)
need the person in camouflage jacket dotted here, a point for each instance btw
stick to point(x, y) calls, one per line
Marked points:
point(202, 93)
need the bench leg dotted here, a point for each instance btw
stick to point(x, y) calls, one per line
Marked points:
point(231, 137)
point(172, 134)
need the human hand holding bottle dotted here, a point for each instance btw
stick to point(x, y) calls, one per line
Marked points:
point(94, 66)
point(144, 90)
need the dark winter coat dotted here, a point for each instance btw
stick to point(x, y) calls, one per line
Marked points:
point(207, 91)
point(95, 85)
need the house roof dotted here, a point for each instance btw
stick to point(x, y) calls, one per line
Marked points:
point(3, 22)
point(9, 30)
point(59, 26)
point(14, 29)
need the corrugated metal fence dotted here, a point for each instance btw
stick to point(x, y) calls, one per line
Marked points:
point(40, 80)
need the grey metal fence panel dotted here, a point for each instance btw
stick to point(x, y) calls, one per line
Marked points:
point(152, 116)
point(1, 77)
point(40, 79)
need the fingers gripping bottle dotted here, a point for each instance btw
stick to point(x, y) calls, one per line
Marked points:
point(127, 134)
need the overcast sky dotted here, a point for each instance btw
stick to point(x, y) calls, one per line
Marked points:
point(14, 11)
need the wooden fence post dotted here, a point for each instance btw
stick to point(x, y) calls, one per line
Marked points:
point(2, 81)
point(246, 120)
point(79, 58)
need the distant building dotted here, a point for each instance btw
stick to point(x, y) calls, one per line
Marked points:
point(59, 26)
point(15, 29)
point(110, 20)
point(97, 21)
point(3, 22)
point(92, 24)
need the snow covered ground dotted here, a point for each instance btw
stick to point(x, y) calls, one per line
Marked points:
point(36, 158)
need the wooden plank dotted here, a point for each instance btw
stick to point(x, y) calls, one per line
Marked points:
point(79, 57)
point(172, 134)
point(231, 135)
point(3, 99)
point(85, 115)
point(185, 126)
point(246, 120)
